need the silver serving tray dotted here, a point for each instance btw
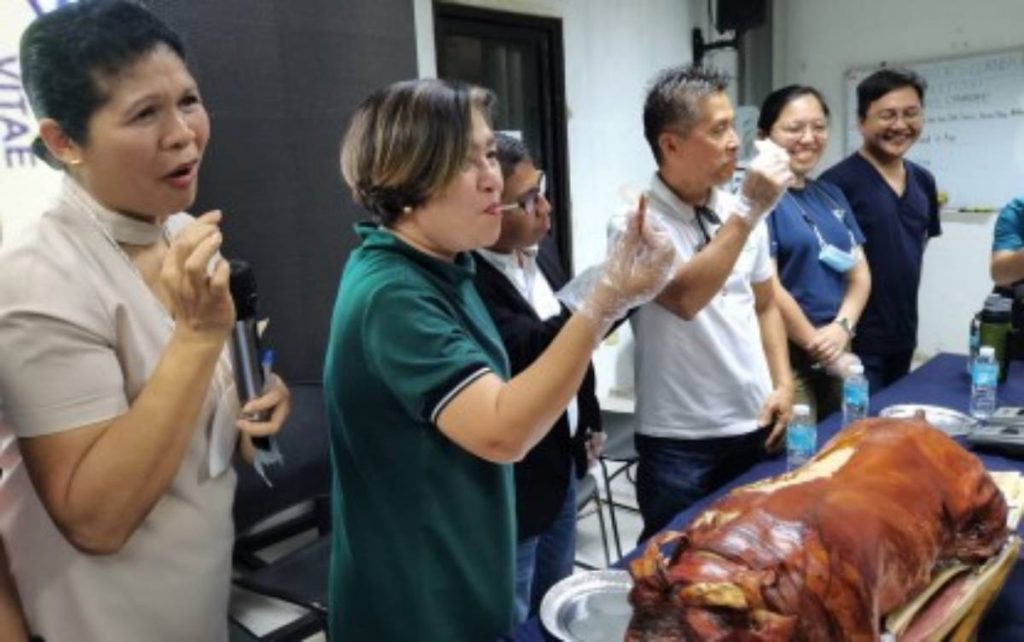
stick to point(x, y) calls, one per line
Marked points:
point(952, 422)
point(589, 607)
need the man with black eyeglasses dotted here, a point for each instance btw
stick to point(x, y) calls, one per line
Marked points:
point(714, 388)
point(896, 205)
point(516, 278)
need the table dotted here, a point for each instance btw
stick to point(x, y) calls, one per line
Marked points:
point(942, 381)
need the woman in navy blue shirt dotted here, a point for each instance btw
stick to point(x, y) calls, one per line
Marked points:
point(823, 280)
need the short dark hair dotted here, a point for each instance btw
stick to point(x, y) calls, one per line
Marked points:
point(777, 101)
point(511, 152)
point(673, 99)
point(882, 82)
point(65, 54)
point(408, 141)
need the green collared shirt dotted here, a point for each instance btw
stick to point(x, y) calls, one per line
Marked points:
point(424, 531)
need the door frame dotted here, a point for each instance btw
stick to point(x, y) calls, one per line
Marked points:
point(554, 137)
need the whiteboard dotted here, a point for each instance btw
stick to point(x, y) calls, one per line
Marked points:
point(973, 137)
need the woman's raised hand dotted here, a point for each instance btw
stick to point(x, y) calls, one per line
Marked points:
point(639, 265)
point(200, 298)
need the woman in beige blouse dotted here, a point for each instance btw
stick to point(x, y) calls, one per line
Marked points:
point(114, 314)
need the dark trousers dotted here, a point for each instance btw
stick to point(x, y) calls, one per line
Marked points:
point(883, 369)
point(672, 474)
point(545, 559)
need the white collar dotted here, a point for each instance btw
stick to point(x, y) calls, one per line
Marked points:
point(673, 206)
point(509, 261)
point(120, 228)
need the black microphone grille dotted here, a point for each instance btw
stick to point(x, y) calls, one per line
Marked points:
point(243, 288)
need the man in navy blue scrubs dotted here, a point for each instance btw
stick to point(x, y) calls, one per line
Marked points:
point(896, 205)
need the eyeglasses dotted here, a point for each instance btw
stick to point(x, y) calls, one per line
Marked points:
point(797, 129)
point(889, 116)
point(528, 202)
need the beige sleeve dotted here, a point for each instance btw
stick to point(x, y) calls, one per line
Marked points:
point(58, 366)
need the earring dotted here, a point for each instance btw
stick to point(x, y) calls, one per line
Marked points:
point(74, 162)
point(407, 209)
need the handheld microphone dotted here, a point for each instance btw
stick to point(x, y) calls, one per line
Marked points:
point(245, 342)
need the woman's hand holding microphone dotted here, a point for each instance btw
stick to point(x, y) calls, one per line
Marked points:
point(196, 281)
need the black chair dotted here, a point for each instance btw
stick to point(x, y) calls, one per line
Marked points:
point(296, 507)
point(618, 448)
point(586, 494)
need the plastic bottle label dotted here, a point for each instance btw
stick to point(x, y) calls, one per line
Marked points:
point(855, 395)
point(983, 388)
point(800, 443)
point(984, 374)
point(855, 399)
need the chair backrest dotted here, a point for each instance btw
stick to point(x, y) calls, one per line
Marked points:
point(619, 428)
point(306, 472)
point(586, 490)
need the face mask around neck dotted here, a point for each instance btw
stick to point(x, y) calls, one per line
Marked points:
point(836, 259)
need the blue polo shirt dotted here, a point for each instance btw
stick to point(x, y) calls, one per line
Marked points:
point(424, 531)
point(817, 288)
point(1009, 231)
point(896, 229)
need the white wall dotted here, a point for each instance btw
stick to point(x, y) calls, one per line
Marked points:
point(26, 183)
point(817, 40)
point(612, 49)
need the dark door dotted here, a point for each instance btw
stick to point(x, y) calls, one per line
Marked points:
point(520, 58)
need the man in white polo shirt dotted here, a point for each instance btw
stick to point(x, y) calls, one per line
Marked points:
point(714, 389)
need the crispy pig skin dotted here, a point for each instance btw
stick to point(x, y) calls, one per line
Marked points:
point(823, 553)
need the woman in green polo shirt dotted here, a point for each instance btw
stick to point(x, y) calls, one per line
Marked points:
point(424, 420)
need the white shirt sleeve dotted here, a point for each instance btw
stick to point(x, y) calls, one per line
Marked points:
point(763, 269)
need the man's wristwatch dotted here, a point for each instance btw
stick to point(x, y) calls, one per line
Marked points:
point(845, 324)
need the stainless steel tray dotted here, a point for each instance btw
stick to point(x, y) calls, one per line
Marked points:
point(952, 422)
point(588, 607)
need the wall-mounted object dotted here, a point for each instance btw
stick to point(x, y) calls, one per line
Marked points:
point(737, 16)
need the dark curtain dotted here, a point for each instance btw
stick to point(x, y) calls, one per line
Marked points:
point(281, 79)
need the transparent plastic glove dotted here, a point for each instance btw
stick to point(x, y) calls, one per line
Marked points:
point(637, 268)
point(768, 177)
point(840, 366)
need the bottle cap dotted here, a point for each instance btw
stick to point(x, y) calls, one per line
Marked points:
point(801, 409)
point(856, 368)
point(987, 351)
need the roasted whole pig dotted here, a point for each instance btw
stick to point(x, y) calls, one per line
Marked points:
point(822, 553)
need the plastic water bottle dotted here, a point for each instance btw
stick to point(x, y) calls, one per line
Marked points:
point(973, 341)
point(984, 376)
point(801, 437)
point(995, 328)
point(855, 395)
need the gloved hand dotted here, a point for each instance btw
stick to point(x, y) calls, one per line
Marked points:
point(637, 268)
point(595, 446)
point(840, 366)
point(768, 177)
